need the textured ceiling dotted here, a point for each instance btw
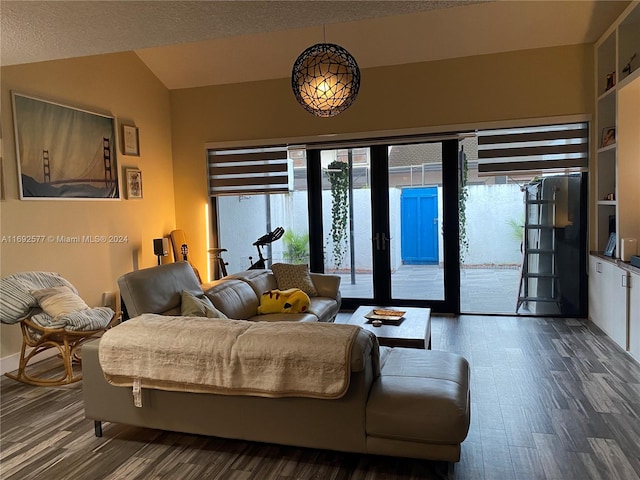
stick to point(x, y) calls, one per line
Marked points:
point(34, 31)
point(188, 44)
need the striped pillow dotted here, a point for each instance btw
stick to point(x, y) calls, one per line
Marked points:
point(15, 300)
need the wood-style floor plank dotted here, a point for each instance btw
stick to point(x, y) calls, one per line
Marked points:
point(551, 399)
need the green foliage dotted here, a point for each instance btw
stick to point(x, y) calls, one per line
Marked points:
point(296, 247)
point(517, 228)
point(338, 175)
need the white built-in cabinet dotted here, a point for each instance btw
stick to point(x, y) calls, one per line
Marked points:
point(617, 163)
point(614, 286)
point(634, 315)
point(608, 298)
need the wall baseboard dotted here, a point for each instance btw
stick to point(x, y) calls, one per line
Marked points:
point(11, 362)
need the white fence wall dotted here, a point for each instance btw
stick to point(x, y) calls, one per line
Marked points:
point(489, 209)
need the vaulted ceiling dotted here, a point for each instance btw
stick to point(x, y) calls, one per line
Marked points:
point(197, 43)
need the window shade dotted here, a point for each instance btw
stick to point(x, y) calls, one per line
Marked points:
point(532, 149)
point(249, 171)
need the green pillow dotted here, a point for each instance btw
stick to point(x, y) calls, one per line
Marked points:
point(193, 306)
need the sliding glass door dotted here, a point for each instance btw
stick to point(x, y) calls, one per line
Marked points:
point(382, 212)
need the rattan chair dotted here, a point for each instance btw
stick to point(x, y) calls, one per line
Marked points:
point(18, 305)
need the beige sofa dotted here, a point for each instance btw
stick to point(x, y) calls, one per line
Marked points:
point(400, 402)
point(158, 290)
point(238, 296)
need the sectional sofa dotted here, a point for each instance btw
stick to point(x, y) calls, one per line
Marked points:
point(397, 401)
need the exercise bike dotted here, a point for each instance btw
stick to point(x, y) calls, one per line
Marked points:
point(264, 240)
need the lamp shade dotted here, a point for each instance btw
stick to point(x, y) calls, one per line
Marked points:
point(325, 79)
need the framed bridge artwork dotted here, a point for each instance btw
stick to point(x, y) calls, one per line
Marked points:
point(64, 152)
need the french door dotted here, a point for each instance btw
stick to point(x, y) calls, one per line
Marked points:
point(385, 218)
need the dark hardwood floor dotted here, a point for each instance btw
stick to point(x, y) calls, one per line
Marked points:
point(551, 399)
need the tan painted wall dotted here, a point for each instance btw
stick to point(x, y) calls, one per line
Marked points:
point(516, 85)
point(118, 85)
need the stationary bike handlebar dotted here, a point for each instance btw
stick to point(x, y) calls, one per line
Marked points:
point(261, 242)
point(270, 237)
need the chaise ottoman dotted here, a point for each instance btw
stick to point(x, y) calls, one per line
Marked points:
point(419, 406)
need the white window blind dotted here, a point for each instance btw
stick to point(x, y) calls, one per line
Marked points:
point(533, 149)
point(249, 171)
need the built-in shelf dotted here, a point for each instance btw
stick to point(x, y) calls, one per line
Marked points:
point(616, 107)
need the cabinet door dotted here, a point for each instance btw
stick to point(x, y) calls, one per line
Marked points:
point(618, 280)
point(634, 316)
point(608, 299)
point(596, 293)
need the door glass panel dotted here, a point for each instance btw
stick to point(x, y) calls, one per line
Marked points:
point(242, 219)
point(346, 217)
point(524, 240)
point(415, 221)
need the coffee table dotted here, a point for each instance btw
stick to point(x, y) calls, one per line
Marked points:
point(413, 332)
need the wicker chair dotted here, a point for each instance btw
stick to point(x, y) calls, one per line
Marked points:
point(42, 332)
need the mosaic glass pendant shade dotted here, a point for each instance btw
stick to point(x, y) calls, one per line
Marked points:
point(325, 79)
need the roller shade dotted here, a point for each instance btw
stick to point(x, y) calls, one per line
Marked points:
point(533, 149)
point(249, 171)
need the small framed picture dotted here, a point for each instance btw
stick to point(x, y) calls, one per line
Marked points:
point(608, 136)
point(611, 81)
point(130, 141)
point(611, 246)
point(134, 183)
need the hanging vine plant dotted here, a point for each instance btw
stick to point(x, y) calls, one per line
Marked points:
point(338, 175)
point(463, 192)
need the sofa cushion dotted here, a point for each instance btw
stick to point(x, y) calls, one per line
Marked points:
point(235, 298)
point(284, 317)
point(158, 289)
point(260, 280)
point(421, 395)
point(193, 306)
point(324, 308)
point(289, 275)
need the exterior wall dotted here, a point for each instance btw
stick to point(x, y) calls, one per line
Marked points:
point(489, 209)
point(433, 95)
point(118, 85)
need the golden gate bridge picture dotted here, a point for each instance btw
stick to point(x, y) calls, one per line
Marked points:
point(64, 152)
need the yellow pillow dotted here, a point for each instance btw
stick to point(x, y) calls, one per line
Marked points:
point(292, 300)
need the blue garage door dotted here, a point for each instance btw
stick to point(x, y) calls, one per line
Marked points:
point(419, 225)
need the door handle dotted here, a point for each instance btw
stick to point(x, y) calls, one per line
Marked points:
point(376, 238)
point(385, 240)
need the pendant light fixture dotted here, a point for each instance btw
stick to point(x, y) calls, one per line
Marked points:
point(325, 79)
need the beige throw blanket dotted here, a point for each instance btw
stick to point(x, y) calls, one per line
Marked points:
point(233, 357)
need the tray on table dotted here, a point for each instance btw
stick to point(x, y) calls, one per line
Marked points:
point(387, 317)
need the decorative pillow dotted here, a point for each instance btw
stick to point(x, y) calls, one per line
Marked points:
point(59, 301)
point(290, 275)
point(293, 300)
point(15, 300)
point(192, 306)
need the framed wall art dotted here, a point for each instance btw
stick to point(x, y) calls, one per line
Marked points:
point(130, 141)
point(608, 136)
point(64, 152)
point(610, 249)
point(134, 183)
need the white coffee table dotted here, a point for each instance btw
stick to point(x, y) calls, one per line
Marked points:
point(413, 332)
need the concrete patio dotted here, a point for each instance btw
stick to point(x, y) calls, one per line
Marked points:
point(482, 290)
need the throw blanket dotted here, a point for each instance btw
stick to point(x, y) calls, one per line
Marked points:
point(232, 357)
